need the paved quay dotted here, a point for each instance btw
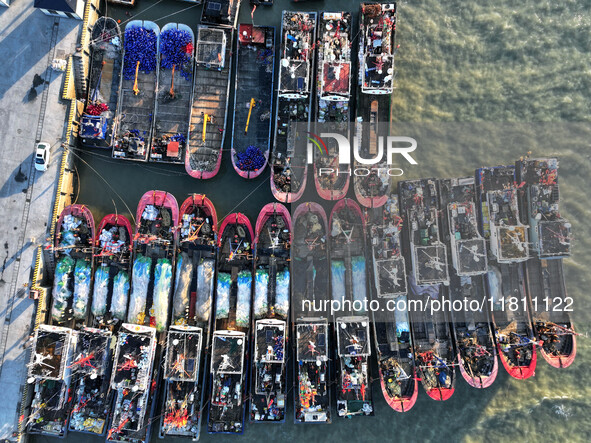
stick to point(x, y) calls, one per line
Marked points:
point(29, 40)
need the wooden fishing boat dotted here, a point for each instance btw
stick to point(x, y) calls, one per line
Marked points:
point(393, 340)
point(96, 123)
point(333, 102)
point(294, 105)
point(270, 319)
point(253, 99)
point(348, 271)
point(210, 98)
point(508, 245)
point(73, 250)
point(432, 337)
point(186, 356)
point(551, 241)
point(137, 91)
point(229, 347)
point(377, 48)
point(311, 333)
point(472, 328)
point(173, 97)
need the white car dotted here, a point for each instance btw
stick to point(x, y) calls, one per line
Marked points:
point(42, 156)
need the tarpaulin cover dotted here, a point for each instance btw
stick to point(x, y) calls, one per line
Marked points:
point(338, 279)
point(261, 284)
point(282, 293)
point(222, 302)
point(120, 295)
point(81, 288)
point(61, 290)
point(182, 290)
point(359, 286)
point(142, 268)
point(162, 286)
point(100, 291)
point(243, 299)
point(401, 319)
point(205, 272)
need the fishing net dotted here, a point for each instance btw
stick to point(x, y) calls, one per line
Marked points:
point(139, 292)
point(120, 295)
point(338, 279)
point(282, 293)
point(359, 285)
point(182, 291)
point(100, 291)
point(205, 273)
point(222, 302)
point(243, 299)
point(261, 286)
point(81, 288)
point(61, 289)
point(162, 285)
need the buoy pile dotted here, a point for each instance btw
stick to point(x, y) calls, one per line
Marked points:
point(250, 160)
point(140, 46)
point(176, 48)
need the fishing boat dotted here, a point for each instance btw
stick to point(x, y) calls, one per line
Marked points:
point(173, 97)
point(294, 105)
point(333, 107)
point(349, 285)
point(50, 374)
point(185, 355)
point(253, 99)
point(472, 326)
point(392, 335)
point(377, 48)
point(113, 245)
point(137, 91)
point(92, 396)
point(220, 12)
point(96, 123)
point(209, 101)
point(432, 337)
point(73, 249)
point(550, 236)
point(134, 384)
point(270, 314)
point(154, 248)
point(229, 346)
point(312, 403)
point(508, 246)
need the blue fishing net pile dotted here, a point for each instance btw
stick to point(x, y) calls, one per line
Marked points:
point(250, 160)
point(178, 137)
point(176, 48)
point(140, 45)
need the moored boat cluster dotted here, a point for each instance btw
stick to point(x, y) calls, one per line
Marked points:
point(181, 316)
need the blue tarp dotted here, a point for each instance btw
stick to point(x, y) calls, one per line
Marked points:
point(261, 285)
point(120, 295)
point(282, 293)
point(182, 290)
point(243, 299)
point(142, 268)
point(100, 291)
point(222, 301)
point(205, 273)
point(162, 287)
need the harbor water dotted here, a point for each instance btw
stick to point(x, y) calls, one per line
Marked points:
point(478, 83)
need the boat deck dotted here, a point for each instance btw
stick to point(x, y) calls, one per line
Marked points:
point(210, 97)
